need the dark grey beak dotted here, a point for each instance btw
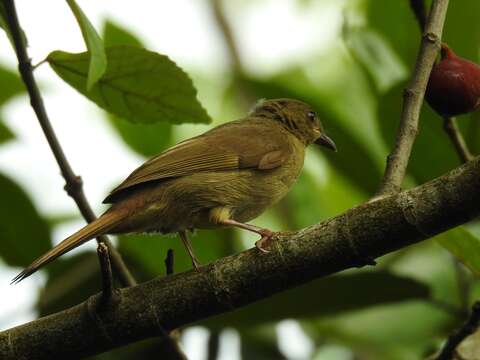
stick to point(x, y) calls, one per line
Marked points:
point(324, 140)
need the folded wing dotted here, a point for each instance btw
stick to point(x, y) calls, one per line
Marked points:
point(225, 148)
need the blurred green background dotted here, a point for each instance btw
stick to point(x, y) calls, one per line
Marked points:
point(401, 309)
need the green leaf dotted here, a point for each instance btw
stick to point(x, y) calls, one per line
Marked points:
point(5, 133)
point(376, 56)
point(3, 22)
point(4, 26)
point(139, 85)
point(327, 296)
point(145, 139)
point(395, 21)
point(24, 233)
point(464, 245)
point(114, 34)
point(11, 85)
point(98, 58)
point(393, 332)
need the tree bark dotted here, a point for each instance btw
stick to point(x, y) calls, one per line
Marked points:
point(351, 239)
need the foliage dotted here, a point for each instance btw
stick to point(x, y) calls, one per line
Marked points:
point(356, 86)
point(147, 139)
point(98, 58)
point(139, 85)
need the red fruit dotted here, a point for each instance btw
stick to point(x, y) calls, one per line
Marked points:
point(454, 85)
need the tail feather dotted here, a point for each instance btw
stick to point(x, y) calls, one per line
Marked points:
point(96, 228)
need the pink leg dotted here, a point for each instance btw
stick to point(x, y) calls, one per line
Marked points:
point(264, 233)
point(188, 246)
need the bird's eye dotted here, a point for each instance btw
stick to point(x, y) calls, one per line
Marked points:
point(312, 116)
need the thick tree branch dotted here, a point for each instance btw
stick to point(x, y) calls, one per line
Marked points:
point(74, 186)
point(348, 240)
point(397, 161)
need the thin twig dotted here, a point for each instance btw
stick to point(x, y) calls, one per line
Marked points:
point(418, 8)
point(247, 98)
point(170, 262)
point(172, 337)
point(397, 161)
point(74, 186)
point(451, 128)
point(226, 30)
point(36, 66)
point(468, 328)
point(107, 280)
point(213, 345)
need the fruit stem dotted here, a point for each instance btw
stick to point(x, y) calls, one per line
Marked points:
point(453, 132)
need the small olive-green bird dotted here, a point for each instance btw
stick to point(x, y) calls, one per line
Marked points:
point(224, 177)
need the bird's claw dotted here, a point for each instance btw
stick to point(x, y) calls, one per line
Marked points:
point(264, 241)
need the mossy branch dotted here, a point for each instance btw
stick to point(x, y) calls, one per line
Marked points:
point(351, 239)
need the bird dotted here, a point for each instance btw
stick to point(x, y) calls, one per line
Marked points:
point(224, 177)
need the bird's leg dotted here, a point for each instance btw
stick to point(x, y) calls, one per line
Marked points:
point(188, 246)
point(264, 233)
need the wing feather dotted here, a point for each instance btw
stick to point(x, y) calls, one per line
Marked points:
point(216, 150)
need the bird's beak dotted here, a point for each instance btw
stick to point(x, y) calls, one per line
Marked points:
point(324, 140)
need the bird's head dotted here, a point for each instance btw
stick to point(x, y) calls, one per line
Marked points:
point(298, 117)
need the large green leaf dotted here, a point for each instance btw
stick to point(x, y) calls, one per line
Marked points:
point(409, 330)
point(98, 58)
point(395, 21)
point(139, 85)
point(464, 245)
point(146, 139)
point(327, 296)
point(376, 56)
point(5, 133)
point(11, 85)
point(3, 21)
point(24, 235)
point(462, 28)
point(4, 26)
point(114, 34)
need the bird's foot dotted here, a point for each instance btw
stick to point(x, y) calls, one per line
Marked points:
point(265, 240)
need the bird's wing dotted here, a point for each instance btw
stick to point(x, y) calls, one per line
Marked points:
point(224, 148)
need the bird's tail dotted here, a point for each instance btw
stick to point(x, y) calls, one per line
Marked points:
point(96, 228)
